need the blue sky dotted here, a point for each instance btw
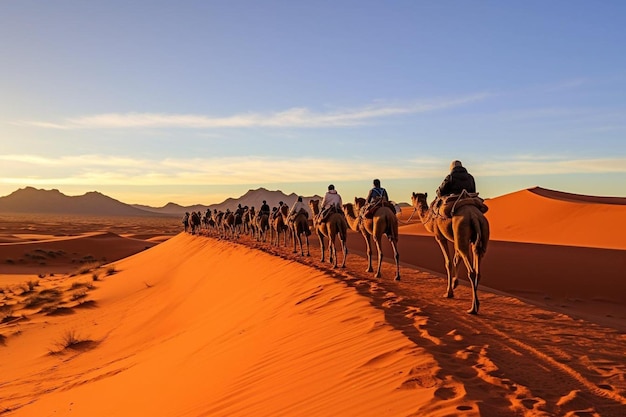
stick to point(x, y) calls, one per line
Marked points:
point(197, 101)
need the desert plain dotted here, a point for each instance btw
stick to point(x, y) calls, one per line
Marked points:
point(133, 317)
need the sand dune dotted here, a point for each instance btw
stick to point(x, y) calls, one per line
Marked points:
point(549, 217)
point(538, 215)
point(196, 326)
point(49, 254)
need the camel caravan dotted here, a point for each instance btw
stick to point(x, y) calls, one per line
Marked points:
point(455, 218)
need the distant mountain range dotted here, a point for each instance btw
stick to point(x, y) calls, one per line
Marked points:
point(252, 198)
point(32, 200)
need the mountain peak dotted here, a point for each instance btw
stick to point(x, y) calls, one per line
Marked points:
point(32, 200)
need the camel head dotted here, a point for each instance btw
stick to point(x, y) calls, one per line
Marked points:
point(419, 200)
point(284, 209)
point(348, 209)
point(359, 202)
point(315, 206)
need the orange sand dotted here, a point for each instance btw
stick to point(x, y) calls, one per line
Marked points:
point(196, 326)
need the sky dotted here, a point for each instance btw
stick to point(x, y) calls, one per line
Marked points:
point(192, 102)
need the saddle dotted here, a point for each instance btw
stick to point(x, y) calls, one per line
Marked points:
point(369, 209)
point(293, 216)
point(325, 213)
point(447, 206)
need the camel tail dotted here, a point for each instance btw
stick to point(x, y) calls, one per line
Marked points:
point(481, 228)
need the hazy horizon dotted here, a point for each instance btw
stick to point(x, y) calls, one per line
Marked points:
point(194, 102)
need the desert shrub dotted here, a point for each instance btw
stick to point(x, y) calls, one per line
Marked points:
point(111, 270)
point(32, 284)
point(87, 268)
point(95, 276)
point(71, 340)
point(88, 259)
point(86, 304)
point(35, 257)
point(78, 284)
point(47, 296)
point(6, 313)
point(77, 295)
point(57, 311)
point(9, 261)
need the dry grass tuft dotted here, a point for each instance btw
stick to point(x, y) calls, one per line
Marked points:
point(70, 340)
point(46, 296)
point(6, 313)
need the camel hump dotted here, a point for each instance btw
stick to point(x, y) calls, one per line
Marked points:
point(452, 203)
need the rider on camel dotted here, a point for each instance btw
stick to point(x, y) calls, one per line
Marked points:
point(276, 213)
point(331, 200)
point(456, 181)
point(265, 209)
point(376, 196)
point(296, 208)
point(377, 193)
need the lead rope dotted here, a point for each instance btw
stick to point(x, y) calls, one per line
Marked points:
point(410, 217)
point(457, 200)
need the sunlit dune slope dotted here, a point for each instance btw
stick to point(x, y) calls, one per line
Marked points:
point(543, 216)
point(538, 215)
point(194, 327)
point(64, 254)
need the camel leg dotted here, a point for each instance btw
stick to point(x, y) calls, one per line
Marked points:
point(396, 256)
point(368, 249)
point(474, 277)
point(380, 256)
point(332, 251)
point(322, 246)
point(463, 251)
point(443, 244)
point(344, 249)
point(308, 252)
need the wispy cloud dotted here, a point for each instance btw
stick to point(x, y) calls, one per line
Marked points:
point(112, 170)
point(295, 117)
point(550, 165)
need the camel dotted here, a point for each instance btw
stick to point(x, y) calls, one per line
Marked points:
point(278, 226)
point(228, 224)
point(468, 230)
point(299, 225)
point(261, 226)
point(248, 221)
point(334, 226)
point(196, 219)
point(383, 222)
